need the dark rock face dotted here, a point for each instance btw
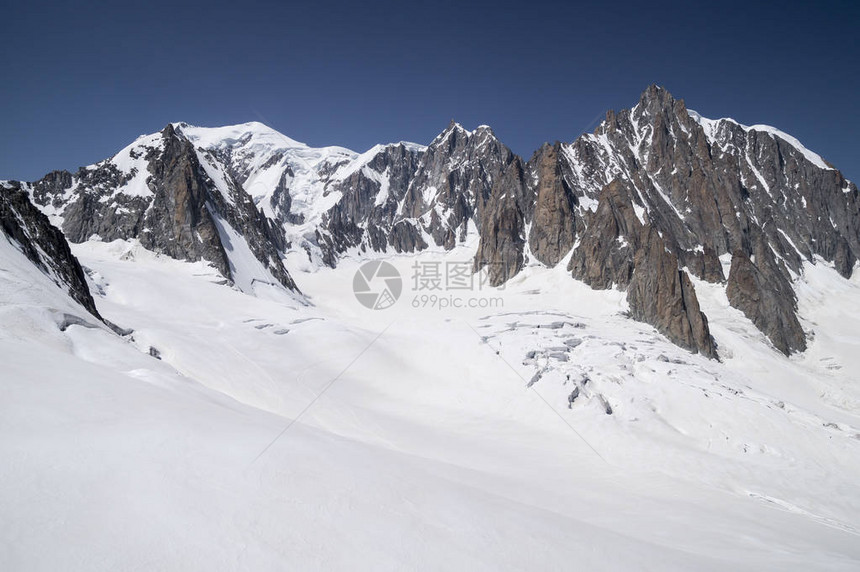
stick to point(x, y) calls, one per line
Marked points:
point(555, 222)
point(176, 208)
point(50, 187)
point(282, 201)
point(406, 237)
point(609, 241)
point(43, 244)
point(404, 198)
point(763, 294)
point(662, 295)
point(367, 214)
point(178, 223)
point(503, 226)
point(617, 249)
point(453, 182)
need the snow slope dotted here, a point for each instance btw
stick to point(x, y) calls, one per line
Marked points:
point(419, 442)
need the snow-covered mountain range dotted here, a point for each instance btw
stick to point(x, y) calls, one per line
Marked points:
point(671, 378)
point(653, 188)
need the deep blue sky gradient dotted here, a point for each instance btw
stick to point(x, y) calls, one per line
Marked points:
point(79, 81)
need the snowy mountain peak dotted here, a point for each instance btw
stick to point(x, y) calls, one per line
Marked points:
point(414, 147)
point(712, 130)
point(252, 134)
point(655, 92)
point(457, 130)
point(453, 129)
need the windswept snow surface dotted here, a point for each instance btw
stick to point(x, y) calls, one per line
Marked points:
point(427, 437)
point(258, 157)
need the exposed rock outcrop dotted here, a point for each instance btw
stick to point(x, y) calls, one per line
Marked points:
point(43, 244)
point(709, 189)
point(661, 294)
point(555, 221)
point(503, 228)
point(453, 182)
point(366, 216)
point(407, 198)
point(177, 221)
point(609, 242)
point(761, 291)
point(617, 249)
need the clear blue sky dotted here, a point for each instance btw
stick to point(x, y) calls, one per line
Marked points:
point(81, 80)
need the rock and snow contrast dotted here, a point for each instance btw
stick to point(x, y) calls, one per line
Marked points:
point(666, 378)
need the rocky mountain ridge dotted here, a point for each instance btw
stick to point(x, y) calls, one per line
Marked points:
point(176, 200)
point(655, 194)
point(658, 187)
point(26, 227)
